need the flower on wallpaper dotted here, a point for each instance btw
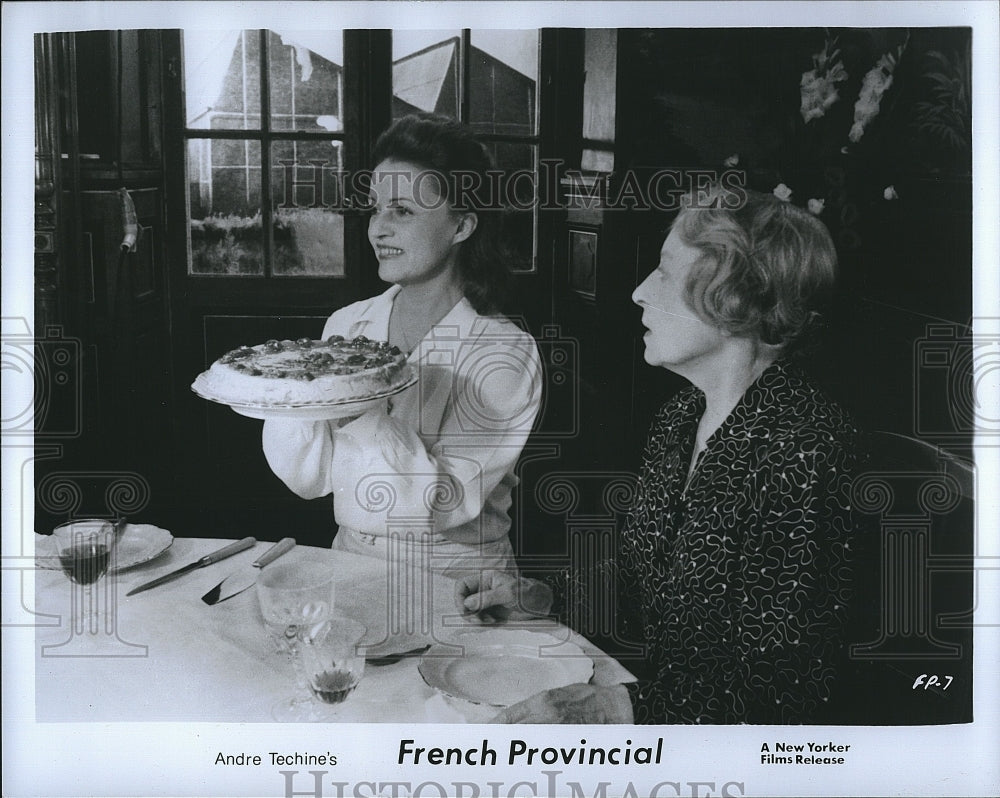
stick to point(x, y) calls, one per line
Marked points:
point(874, 86)
point(818, 87)
point(816, 206)
point(945, 117)
point(782, 192)
point(890, 193)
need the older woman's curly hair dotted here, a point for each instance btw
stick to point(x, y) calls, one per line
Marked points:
point(767, 266)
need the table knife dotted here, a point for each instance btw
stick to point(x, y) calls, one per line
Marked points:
point(208, 559)
point(240, 580)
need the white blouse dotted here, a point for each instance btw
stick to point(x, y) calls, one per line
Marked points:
point(439, 458)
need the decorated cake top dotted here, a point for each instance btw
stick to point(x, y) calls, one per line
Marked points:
point(306, 378)
point(306, 359)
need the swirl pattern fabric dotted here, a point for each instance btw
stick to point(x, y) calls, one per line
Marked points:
point(741, 579)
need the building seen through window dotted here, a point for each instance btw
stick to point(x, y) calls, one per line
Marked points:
point(265, 136)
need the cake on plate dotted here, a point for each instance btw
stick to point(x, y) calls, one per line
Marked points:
point(305, 372)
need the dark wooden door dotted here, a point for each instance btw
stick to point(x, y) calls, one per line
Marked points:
point(102, 318)
point(221, 485)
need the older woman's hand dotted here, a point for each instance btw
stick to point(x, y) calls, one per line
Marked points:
point(576, 703)
point(496, 596)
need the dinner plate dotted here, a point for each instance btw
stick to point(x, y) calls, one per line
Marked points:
point(499, 667)
point(310, 411)
point(139, 543)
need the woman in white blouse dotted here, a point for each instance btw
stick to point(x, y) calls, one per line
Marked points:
point(429, 476)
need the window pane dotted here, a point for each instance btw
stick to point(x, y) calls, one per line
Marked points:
point(306, 173)
point(222, 79)
point(520, 195)
point(425, 72)
point(306, 79)
point(308, 242)
point(305, 196)
point(224, 194)
point(503, 73)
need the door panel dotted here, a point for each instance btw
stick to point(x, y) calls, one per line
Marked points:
point(224, 487)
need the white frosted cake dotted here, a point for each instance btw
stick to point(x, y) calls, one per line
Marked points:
point(304, 372)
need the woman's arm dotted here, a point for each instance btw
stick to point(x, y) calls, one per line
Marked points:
point(797, 582)
point(440, 476)
point(299, 453)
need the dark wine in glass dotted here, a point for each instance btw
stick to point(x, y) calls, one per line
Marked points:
point(331, 657)
point(334, 685)
point(85, 548)
point(86, 562)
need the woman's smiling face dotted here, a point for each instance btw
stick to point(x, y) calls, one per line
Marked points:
point(413, 230)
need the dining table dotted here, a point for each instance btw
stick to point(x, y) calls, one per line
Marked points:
point(165, 655)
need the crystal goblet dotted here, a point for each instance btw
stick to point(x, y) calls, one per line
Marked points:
point(331, 660)
point(292, 595)
point(86, 548)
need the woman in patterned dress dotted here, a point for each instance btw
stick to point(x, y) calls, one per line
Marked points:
point(734, 566)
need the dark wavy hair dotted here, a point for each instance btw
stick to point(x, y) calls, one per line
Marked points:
point(448, 148)
point(768, 267)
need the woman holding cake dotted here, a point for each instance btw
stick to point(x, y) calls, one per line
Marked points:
point(733, 568)
point(428, 476)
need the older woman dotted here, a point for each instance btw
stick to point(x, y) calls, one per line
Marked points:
point(734, 564)
point(427, 478)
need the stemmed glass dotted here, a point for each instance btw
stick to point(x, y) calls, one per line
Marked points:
point(85, 548)
point(294, 596)
point(332, 659)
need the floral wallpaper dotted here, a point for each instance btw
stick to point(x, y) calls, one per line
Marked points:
point(870, 129)
point(789, 105)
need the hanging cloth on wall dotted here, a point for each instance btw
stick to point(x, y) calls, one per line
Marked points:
point(122, 311)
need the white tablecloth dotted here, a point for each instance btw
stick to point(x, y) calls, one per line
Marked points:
point(164, 655)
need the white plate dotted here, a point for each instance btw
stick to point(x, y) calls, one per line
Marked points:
point(139, 543)
point(313, 411)
point(499, 667)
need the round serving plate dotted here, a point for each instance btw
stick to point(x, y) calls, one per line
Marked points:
point(499, 667)
point(311, 411)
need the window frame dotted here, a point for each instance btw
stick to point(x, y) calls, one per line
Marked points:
point(367, 110)
point(534, 139)
point(266, 136)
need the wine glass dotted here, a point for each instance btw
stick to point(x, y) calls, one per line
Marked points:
point(333, 658)
point(293, 596)
point(85, 548)
point(332, 661)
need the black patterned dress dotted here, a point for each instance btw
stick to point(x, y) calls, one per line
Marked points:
point(741, 579)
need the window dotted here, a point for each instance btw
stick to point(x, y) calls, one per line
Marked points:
point(269, 153)
point(488, 79)
point(265, 138)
